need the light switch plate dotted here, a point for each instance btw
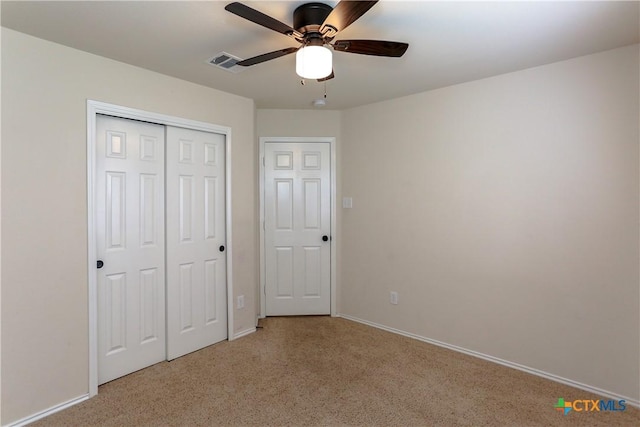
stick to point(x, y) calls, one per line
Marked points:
point(393, 298)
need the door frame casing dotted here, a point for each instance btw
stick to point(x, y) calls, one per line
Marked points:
point(263, 266)
point(93, 109)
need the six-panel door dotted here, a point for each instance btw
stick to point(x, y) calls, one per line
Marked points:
point(130, 237)
point(297, 191)
point(196, 240)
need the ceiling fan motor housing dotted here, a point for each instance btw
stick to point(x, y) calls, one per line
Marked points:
point(308, 17)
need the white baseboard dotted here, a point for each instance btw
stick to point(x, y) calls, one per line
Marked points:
point(35, 417)
point(527, 369)
point(243, 333)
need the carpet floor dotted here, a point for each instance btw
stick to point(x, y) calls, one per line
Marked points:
point(322, 371)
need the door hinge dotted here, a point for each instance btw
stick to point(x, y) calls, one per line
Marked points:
point(263, 161)
point(263, 226)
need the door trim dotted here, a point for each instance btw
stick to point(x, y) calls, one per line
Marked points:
point(94, 108)
point(332, 153)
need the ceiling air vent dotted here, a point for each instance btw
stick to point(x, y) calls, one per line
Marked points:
point(227, 62)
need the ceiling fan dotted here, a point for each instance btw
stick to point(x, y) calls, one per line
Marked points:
point(315, 25)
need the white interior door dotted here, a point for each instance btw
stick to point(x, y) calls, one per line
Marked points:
point(297, 202)
point(196, 257)
point(130, 243)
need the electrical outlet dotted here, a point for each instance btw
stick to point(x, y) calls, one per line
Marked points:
point(393, 298)
point(240, 303)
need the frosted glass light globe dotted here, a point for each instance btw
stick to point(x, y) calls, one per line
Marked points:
point(314, 62)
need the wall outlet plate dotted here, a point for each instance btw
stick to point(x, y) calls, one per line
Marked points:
point(240, 303)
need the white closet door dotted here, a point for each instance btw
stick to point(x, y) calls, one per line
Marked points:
point(196, 256)
point(130, 238)
point(297, 197)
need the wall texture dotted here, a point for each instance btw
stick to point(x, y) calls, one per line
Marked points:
point(505, 214)
point(44, 242)
point(275, 122)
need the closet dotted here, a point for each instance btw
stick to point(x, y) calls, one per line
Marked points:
point(160, 235)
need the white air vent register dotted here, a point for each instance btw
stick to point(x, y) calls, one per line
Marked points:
point(227, 62)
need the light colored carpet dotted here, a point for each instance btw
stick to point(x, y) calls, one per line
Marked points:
point(330, 372)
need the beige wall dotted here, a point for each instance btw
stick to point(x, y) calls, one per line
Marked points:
point(44, 242)
point(306, 123)
point(275, 122)
point(505, 213)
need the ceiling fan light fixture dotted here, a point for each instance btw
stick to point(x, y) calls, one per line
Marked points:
point(314, 62)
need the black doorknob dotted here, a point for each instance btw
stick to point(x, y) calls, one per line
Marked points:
point(325, 238)
point(221, 248)
point(100, 263)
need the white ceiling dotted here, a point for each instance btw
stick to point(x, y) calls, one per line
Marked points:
point(450, 42)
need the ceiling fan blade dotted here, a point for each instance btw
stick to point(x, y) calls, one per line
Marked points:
point(266, 57)
point(344, 14)
point(371, 47)
point(261, 19)
point(329, 77)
